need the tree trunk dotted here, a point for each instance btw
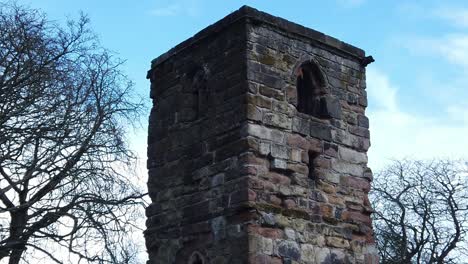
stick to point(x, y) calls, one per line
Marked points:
point(18, 224)
point(15, 256)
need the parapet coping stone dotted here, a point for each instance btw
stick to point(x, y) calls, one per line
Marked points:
point(259, 16)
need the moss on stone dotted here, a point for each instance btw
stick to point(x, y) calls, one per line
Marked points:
point(267, 59)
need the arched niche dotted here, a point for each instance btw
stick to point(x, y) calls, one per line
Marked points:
point(194, 94)
point(313, 97)
point(196, 258)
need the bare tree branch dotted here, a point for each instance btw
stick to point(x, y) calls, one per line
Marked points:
point(421, 211)
point(65, 166)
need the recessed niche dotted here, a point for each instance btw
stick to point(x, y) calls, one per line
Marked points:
point(196, 258)
point(310, 86)
point(312, 96)
point(312, 168)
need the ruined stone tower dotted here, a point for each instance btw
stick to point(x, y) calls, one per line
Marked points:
point(257, 147)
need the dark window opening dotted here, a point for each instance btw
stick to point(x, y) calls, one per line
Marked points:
point(311, 166)
point(201, 92)
point(310, 89)
point(196, 258)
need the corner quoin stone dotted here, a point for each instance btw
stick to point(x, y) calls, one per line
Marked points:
point(249, 160)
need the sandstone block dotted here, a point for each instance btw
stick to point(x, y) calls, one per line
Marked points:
point(279, 151)
point(289, 249)
point(277, 120)
point(308, 253)
point(363, 121)
point(337, 242)
point(264, 133)
point(301, 125)
point(277, 163)
point(320, 131)
point(347, 168)
point(351, 155)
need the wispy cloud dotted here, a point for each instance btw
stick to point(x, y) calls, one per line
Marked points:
point(451, 47)
point(385, 96)
point(398, 133)
point(459, 112)
point(455, 48)
point(455, 15)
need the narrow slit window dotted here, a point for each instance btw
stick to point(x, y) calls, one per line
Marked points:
point(312, 170)
point(194, 102)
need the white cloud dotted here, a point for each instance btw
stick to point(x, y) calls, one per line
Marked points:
point(397, 133)
point(458, 112)
point(385, 95)
point(446, 78)
point(455, 48)
point(451, 47)
point(456, 16)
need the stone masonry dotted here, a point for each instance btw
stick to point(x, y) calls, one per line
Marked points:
point(257, 147)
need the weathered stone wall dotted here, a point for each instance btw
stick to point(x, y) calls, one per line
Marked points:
point(193, 145)
point(236, 173)
point(319, 216)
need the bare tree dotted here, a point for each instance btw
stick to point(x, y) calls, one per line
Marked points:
point(65, 167)
point(421, 212)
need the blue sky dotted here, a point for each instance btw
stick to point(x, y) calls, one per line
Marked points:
point(418, 86)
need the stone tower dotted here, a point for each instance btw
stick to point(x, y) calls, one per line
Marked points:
point(257, 147)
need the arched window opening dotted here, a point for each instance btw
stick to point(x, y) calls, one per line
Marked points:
point(310, 89)
point(196, 258)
